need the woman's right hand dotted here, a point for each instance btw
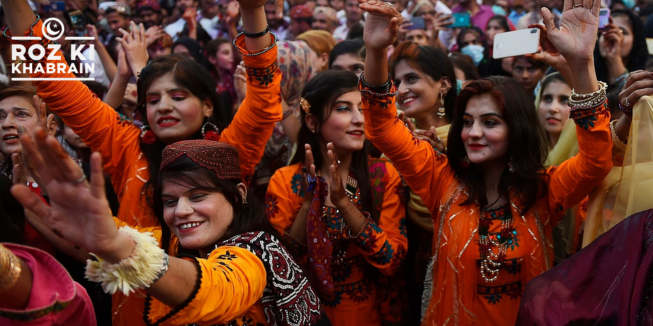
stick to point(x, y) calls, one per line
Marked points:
point(85, 221)
point(638, 84)
point(381, 25)
point(308, 171)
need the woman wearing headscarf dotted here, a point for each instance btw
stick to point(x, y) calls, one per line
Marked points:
point(297, 68)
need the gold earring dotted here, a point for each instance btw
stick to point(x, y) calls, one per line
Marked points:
point(441, 112)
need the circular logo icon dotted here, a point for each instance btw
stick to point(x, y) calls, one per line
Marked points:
point(52, 28)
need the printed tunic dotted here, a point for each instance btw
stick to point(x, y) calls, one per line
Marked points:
point(358, 265)
point(455, 292)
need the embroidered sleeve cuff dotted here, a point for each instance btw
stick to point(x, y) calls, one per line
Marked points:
point(33, 36)
point(151, 308)
point(587, 117)
point(377, 100)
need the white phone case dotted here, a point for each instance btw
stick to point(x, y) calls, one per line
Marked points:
point(511, 44)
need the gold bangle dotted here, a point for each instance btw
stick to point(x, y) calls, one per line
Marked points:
point(9, 269)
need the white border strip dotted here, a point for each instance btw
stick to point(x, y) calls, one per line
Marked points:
point(26, 38)
point(80, 38)
point(54, 79)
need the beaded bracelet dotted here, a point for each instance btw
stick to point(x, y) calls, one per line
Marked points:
point(257, 53)
point(618, 143)
point(602, 88)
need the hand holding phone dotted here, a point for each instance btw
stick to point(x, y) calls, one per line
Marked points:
point(416, 23)
point(460, 19)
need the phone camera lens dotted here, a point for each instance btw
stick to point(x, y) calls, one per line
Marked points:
point(534, 30)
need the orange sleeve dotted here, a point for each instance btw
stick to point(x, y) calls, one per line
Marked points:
point(96, 123)
point(572, 180)
point(384, 243)
point(425, 170)
point(155, 230)
point(253, 124)
point(283, 200)
point(230, 281)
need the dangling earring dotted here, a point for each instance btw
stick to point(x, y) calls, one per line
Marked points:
point(211, 134)
point(441, 113)
point(465, 162)
point(147, 135)
point(511, 169)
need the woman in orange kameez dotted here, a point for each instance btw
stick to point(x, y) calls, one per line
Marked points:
point(229, 268)
point(178, 98)
point(494, 204)
point(351, 234)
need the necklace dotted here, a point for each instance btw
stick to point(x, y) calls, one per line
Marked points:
point(491, 262)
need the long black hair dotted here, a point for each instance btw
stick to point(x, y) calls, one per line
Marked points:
point(247, 216)
point(638, 54)
point(321, 92)
point(527, 148)
point(189, 75)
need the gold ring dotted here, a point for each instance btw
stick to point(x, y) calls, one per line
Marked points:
point(80, 180)
point(578, 6)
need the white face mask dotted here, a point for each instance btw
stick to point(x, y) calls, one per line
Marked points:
point(475, 52)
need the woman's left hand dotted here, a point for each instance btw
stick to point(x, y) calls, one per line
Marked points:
point(579, 24)
point(432, 138)
point(337, 193)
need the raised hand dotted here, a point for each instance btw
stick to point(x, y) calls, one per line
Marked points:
point(135, 46)
point(337, 192)
point(381, 25)
point(85, 221)
point(579, 23)
point(308, 174)
point(240, 81)
point(153, 34)
point(549, 55)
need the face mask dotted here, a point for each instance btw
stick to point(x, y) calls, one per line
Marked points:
point(630, 4)
point(475, 52)
point(498, 10)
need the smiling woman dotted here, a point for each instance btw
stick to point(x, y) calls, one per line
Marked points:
point(234, 267)
point(353, 239)
point(178, 98)
point(493, 203)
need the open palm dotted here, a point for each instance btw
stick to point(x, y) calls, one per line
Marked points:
point(79, 212)
point(576, 37)
point(381, 25)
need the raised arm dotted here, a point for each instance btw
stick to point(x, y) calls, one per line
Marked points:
point(575, 39)
point(135, 257)
point(98, 125)
point(254, 122)
point(425, 170)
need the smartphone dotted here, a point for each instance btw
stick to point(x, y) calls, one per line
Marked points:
point(55, 6)
point(460, 19)
point(649, 45)
point(78, 22)
point(511, 44)
point(418, 23)
point(604, 17)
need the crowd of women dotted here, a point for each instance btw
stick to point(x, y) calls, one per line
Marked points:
point(375, 181)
